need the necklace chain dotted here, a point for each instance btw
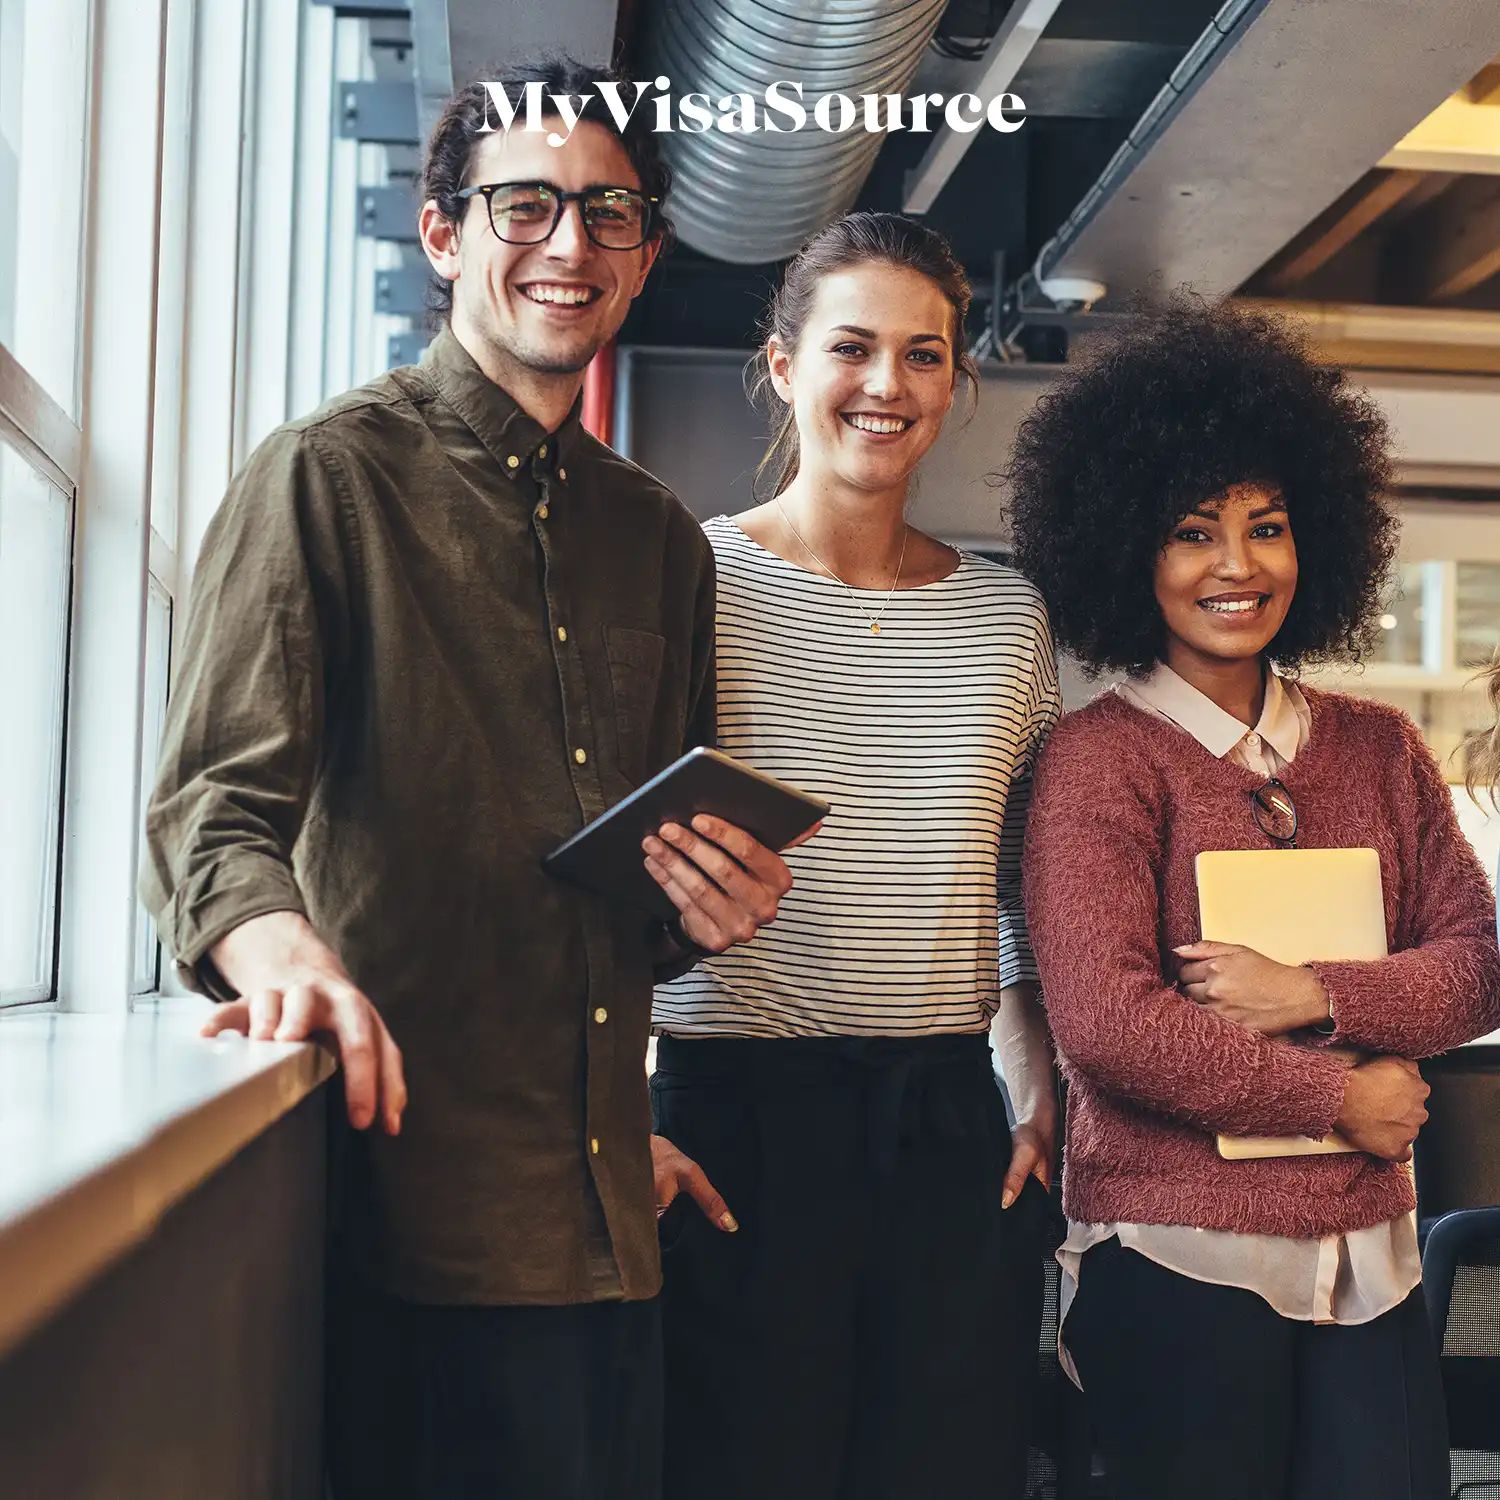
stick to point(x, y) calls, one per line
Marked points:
point(854, 598)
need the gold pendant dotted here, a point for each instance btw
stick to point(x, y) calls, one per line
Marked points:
point(874, 627)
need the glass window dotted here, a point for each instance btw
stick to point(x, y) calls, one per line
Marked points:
point(153, 718)
point(43, 97)
point(1400, 641)
point(35, 572)
point(172, 273)
point(1476, 613)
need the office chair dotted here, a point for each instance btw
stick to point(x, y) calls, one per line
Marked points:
point(1461, 1281)
point(1458, 1188)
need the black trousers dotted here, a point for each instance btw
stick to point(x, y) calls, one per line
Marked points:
point(492, 1403)
point(871, 1331)
point(1195, 1389)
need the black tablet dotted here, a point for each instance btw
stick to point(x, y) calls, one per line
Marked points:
point(606, 855)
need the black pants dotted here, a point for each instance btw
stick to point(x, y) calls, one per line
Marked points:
point(492, 1403)
point(871, 1331)
point(1195, 1389)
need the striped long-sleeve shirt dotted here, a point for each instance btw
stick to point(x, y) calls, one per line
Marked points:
point(906, 914)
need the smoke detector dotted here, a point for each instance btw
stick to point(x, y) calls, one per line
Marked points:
point(1071, 292)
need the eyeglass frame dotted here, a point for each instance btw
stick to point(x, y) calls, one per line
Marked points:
point(487, 191)
point(1258, 807)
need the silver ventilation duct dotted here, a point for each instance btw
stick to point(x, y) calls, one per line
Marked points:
point(751, 198)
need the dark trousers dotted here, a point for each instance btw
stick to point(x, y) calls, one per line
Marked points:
point(871, 1331)
point(492, 1403)
point(1195, 1389)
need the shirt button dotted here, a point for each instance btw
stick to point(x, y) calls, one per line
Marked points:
point(563, 475)
point(601, 1015)
point(512, 462)
point(594, 1145)
point(1253, 740)
point(542, 451)
point(562, 632)
point(580, 755)
point(542, 513)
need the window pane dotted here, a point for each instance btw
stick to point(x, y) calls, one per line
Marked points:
point(43, 93)
point(153, 717)
point(1477, 622)
point(35, 542)
point(172, 272)
point(1400, 638)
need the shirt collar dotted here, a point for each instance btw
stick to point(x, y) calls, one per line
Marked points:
point(513, 438)
point(1218, 732)
point(1284, 719)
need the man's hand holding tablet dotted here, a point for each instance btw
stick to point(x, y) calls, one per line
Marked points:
point(724, 884)
point(697, 847)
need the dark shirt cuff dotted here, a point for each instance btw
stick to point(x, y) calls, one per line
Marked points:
point(686, 959)
point(211, 908)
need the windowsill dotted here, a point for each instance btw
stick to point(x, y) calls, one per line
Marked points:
point(107, 1121)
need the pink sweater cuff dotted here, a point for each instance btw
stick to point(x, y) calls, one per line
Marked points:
point(1301, 1094)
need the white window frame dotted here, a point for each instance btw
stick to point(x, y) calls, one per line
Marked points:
point(311, 216)
point(48, 439)
point(97, 927)
point(268, 305)
point(33, 420)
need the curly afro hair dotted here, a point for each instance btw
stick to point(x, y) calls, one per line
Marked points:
point(1188, 400)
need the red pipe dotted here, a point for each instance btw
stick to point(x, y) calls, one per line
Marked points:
point(599, 394)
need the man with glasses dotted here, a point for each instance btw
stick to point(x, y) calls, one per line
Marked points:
point(436, 627)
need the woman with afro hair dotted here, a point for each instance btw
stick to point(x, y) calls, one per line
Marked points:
point(1202, 508)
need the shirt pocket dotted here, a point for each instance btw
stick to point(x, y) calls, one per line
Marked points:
point(635, 661)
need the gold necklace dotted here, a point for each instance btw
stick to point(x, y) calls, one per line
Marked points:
point(895, 583)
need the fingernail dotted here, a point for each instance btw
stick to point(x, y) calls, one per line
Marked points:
point(727, 1221)
point(672, 834)
point(1007, 1197)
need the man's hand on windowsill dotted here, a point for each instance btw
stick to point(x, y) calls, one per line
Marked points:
point(293, 988)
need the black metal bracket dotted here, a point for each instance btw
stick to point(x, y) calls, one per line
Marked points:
point(367, 10)
point(384, 114)
point(1022, 323)
point(406, 348)
point(387, 213)
point(402, 291)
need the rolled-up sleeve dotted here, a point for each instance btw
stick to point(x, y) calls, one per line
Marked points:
point(267, 633)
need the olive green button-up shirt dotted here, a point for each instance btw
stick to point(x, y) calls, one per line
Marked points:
point(428, 640)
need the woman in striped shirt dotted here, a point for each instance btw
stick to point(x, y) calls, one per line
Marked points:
point(856, 1314)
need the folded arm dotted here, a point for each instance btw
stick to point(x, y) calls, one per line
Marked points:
point(1092, 856)
point(1443, 987)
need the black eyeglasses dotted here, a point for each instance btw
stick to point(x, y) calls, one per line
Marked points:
point(527, 213)
point(1275, 813)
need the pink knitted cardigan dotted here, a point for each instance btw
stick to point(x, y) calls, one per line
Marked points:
point(1123, 803)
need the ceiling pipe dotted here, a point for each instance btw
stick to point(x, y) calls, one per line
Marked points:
point(751, 198)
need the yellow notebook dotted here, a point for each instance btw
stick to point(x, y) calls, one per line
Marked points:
point(1293, 905)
